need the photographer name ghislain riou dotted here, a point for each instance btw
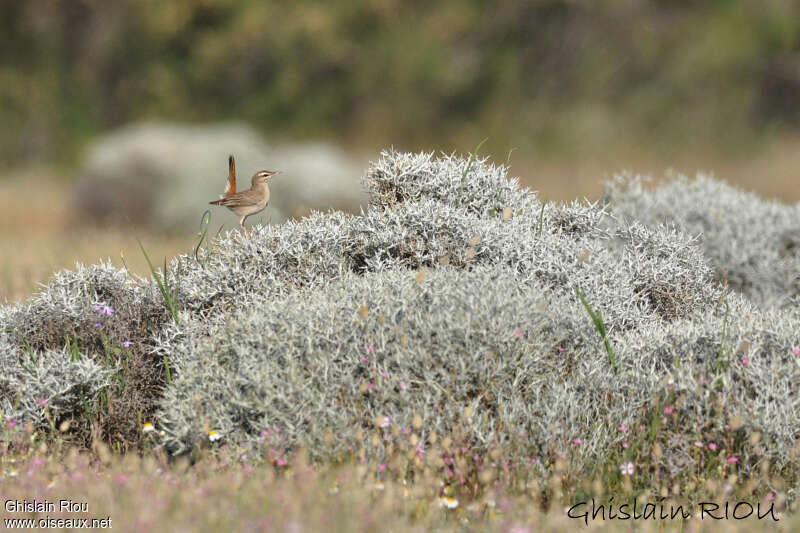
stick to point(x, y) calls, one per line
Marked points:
point(658, 511)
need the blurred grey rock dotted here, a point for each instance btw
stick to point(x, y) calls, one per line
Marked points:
point(163, 175)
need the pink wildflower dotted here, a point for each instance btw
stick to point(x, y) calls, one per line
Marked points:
point(626, 469)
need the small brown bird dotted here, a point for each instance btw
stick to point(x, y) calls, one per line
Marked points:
point(248, 202)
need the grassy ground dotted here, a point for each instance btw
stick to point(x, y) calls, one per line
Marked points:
point(234, 490)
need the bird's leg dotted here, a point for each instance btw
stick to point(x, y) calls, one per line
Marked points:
point(241, 223)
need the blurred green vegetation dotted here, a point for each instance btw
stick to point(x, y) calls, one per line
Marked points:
point(560, 76)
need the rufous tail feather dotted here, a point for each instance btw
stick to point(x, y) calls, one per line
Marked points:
point(230, 186)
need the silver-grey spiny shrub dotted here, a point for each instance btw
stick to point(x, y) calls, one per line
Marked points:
point(286, 307)
point(753, 244)
point(454, 293)
point(47, 383)
point(66, 341)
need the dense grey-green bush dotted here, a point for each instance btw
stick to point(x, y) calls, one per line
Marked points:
point(33, 382)
point(427, 348)
point(81, 306)
point(290, 296)
point(733, 362)
point(312, 364)
point(452, 298)
point(67, 340)
point(752, 243)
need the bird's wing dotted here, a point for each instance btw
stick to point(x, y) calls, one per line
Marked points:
point(236, 200)
point(230, 186)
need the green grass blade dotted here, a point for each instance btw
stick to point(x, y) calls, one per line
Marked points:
point(541, 220)
point(204, 222)
point(508, 157)
point(124, 263)
point(721, 361)
point(600, 326)
point(162, 286)
point(28, 350)
point(466, 170)
point(168, 371)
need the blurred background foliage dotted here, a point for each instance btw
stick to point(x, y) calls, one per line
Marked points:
point(556, 77)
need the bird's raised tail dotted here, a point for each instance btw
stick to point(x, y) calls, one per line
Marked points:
point(230, 186)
